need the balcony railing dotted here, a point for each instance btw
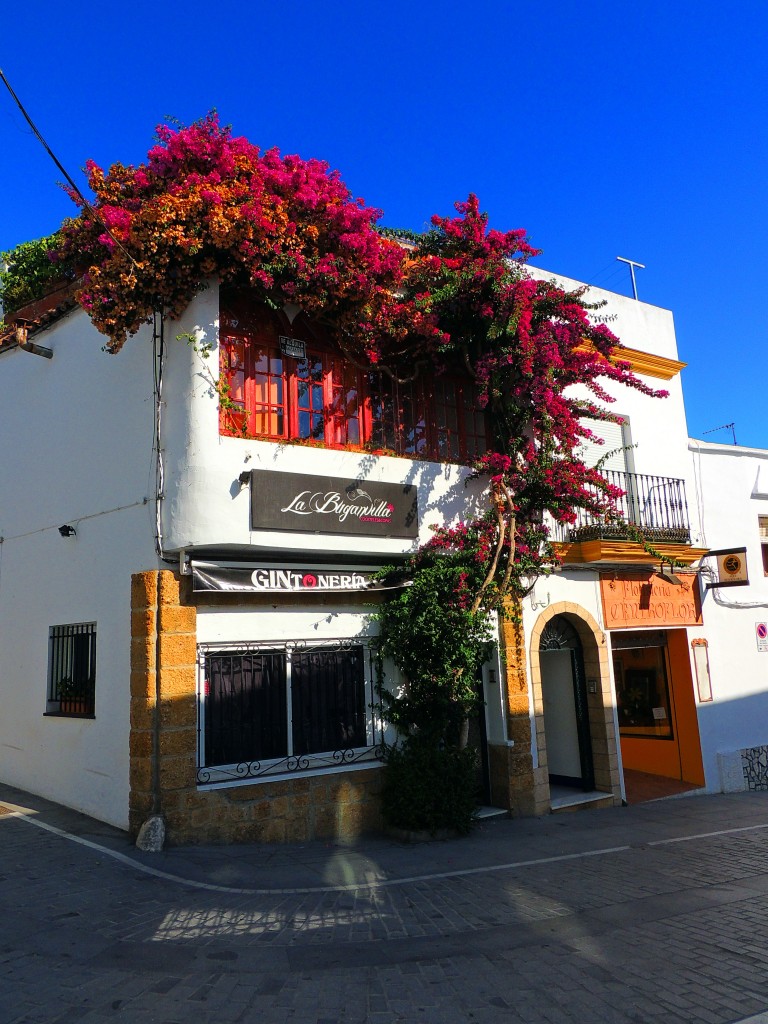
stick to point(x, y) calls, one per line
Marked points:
point(654, 505)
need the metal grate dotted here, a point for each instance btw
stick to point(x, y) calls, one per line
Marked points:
point(264, 711)
point(72, 669)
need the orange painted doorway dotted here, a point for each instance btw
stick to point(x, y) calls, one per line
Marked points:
point(658, 724)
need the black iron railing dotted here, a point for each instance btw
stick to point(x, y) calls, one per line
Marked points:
point(654, 505)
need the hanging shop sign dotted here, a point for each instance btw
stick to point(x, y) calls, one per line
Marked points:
point(731, 568)
point(318, 504)
point(648, 600)
point(294, 348)
point(281, 578)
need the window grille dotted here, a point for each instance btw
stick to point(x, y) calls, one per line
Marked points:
point(763, 523)
point(269, 710)
point(72, 669)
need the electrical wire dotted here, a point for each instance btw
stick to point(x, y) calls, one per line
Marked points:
point(74, 519)
point(719, 599)
point(695, 449)
point(606, 280)
point(60, 166)
point(598, 273)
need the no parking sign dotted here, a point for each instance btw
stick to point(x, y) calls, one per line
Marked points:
point(761, 632)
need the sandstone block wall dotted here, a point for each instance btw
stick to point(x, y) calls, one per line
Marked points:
point(163, 746)
point(515, 783)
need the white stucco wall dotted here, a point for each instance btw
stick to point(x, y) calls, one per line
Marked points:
point(657, 426)
point(207, 507)
point(77, 450)
point(639, 325)
point(732, 491)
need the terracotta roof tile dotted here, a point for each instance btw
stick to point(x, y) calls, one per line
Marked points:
point(40, 314)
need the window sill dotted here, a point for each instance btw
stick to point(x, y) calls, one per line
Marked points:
point(69, 714)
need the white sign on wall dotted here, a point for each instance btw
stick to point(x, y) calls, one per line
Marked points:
point(761, 634)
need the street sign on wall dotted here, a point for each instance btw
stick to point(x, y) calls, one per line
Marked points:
point(731, 568)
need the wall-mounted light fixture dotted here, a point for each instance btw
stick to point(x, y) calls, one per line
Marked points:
point(245, 478)
point(291, 311)
point(665, 572)
point(67, 531)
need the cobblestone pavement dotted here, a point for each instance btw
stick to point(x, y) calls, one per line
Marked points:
point(653, 913)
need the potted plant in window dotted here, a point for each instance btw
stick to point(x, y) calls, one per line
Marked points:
point(72, 697)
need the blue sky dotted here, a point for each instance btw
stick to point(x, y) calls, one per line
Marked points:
point(604, 129)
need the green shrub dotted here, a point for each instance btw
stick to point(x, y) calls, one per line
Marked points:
point(427, 789)
point(30, 273)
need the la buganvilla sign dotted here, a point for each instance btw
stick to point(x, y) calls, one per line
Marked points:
point(314, 504)
point(307, 503)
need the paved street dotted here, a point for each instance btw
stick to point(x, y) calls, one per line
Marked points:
point(652, 913)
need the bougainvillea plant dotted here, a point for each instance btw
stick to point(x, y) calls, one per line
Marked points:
point(207, 204)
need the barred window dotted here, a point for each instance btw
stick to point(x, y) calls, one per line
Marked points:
point(267, 710)
point(763, 523)
point(72, 669)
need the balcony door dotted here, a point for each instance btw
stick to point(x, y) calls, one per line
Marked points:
point(615, 458)
point(615, 453)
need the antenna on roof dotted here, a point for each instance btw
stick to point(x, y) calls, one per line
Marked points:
point(632, 265)
point(725, 426)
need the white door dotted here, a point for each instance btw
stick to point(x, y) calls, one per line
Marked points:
point(560, 725)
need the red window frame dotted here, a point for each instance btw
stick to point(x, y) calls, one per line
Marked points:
point(326, 399)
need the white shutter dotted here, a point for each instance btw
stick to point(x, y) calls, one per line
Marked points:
point(615, 436)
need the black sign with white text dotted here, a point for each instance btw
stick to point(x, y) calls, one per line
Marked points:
point(318, 504)
point(281, 578)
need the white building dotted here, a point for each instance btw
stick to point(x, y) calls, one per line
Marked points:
point(114, 689)
point(732, 494)
point(609, 642)
point(166, 624)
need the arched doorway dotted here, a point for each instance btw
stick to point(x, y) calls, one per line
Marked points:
point(566, 712)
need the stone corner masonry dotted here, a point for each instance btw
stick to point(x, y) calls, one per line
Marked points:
point(163, 746)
